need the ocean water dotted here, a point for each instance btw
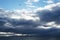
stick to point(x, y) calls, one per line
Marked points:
point(29, 38)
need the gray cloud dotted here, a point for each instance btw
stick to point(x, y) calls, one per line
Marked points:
point(39, 22)
point(14, 21)
point(50, 13)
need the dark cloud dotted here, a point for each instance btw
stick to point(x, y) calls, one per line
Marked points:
point(23, 23)
point(17, 25)
point(47, 15)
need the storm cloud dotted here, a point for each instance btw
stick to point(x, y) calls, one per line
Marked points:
point(44, 21)
point(50, 13)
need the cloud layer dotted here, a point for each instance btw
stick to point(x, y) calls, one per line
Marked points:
point(44, 21)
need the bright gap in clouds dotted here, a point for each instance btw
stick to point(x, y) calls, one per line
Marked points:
point(15, 17)
point(24, 14)
point(9, 34)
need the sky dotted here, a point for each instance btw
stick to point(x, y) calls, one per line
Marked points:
point(25, 4)
point(40, 17)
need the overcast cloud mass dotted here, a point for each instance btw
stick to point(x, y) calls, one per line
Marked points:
point(43, 20)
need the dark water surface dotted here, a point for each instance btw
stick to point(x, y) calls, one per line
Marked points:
point(29, 38)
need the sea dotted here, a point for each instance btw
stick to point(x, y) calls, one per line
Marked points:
point(29, 38)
